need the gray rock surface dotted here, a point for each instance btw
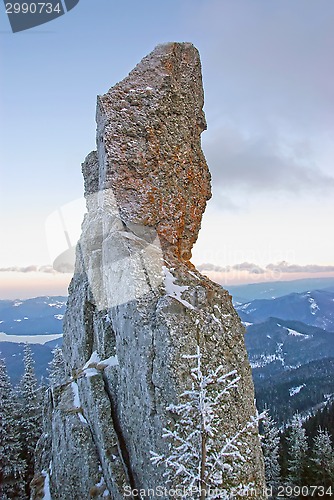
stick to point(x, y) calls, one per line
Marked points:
point(136, 304)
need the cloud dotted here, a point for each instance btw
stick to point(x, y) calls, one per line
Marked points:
point(213, 267)
point(249, 268)
point(281, 267)
point(28, 269)
point(261, 54)
point(265, 163)
point(284, 267)
point(269, 96)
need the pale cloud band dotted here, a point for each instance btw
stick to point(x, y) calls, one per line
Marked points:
point(28, 269)
point(281, 267)
point(248, 267)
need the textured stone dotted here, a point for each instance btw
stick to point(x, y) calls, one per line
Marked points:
point(135, 299)
point(148, 139)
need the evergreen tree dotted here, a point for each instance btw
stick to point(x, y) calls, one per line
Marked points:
point(323, 459)
point(12, 466)
point(297, 449)
point(31, 413)
point(270, 448)
point(196, 457)
point(56, 367)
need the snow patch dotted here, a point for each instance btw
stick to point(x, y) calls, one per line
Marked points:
point(59, 316)
point(244, 306)
point(91, 372)
point(95, 363)
point(29, 339)
point(57, 304)
point(313, 306)
point(93, 360)
point(216, 320)
point(297, 334)
point(174, 290)
point(17, 304)
point(246, 323)
point(195, 275)
point(296, 390)
point(263, 359)
point(112, 361)
point(77, 402)
point(102, 483)
point(46, 493)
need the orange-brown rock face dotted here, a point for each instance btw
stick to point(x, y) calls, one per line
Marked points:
point(148, 136)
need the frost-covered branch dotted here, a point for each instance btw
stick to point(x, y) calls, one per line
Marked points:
point(197, 456)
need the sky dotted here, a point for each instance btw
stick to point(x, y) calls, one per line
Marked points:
point(269, 101)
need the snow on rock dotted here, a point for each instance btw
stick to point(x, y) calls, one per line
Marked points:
point(75, 389)
point(111, 361)
point(93, 360)
point(95, 363)
point(91, 372)
point(174, 290)
point(46, 493)
point(77, 402)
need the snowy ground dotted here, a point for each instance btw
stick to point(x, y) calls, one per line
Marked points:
point(30, 339)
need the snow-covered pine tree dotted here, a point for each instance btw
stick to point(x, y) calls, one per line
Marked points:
point(12, 466)
point(31, 412)
point(270, 447)
point(297, 449)
point(323, 459)
point(197, 459)
point(56, 367)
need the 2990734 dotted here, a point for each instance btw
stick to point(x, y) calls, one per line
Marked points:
point(304, 491)
point(33, 8)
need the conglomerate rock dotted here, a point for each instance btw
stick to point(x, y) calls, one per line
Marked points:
point(137, 307)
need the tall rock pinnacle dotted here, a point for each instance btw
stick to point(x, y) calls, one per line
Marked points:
point(145, 334)
point(149, 149)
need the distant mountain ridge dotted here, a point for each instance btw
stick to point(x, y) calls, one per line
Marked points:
point(289, 340)
point(290, 344)
point(314, 308)
point(36, 316)
point(274, 289)
point(305, 389)
point(277, 345)
point(38, 321)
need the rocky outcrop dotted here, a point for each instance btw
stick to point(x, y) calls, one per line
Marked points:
point(137, 308)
